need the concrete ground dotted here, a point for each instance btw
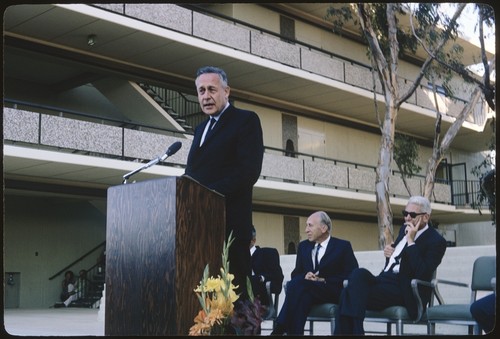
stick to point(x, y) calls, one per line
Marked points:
point(64, 322)
point(68, 322)
point(456, 266)
point(53, 322)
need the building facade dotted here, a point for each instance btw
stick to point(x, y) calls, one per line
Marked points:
point(92, 92)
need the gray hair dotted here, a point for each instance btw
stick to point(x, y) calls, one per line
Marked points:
point(325, 219)
point(423, 202)
point(215, 70)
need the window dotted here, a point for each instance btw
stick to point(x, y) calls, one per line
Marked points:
point(439, 89)
point(442, 172)
point(287, 29)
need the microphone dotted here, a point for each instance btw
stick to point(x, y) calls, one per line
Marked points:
point(170, 151)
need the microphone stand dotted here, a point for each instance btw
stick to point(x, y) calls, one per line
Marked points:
point(170, 151)
point(149, 164)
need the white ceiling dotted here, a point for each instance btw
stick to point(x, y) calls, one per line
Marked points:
point(128, 48)
point(66, 60)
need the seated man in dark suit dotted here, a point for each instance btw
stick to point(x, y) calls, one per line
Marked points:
point(265, 267)
point(416, 254)
point(321, 265)
point(483, 311)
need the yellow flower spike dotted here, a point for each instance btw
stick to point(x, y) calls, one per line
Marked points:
point(233, 296)
point(217, 297)
point(212, 285)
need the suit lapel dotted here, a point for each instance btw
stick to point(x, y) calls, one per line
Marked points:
point(210, 132)
point(308, 254)
point(329, 249)
point(199, 133)
point(219, 123)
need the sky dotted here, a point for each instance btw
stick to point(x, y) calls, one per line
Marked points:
point(468, 24)
point(468, 21)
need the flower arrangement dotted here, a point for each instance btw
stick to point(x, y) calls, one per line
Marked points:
point(221, 311)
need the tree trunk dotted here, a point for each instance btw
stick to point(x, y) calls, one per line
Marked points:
point(387, 72)
point(439, 150)
point(383, 174)
point(432, 165)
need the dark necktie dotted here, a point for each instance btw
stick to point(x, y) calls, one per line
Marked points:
point(316, 262)
point(397, 258)
point(211, 124)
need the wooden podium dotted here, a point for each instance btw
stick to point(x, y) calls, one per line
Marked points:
point(160, 235)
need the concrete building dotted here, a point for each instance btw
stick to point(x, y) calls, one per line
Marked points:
point(92, 92)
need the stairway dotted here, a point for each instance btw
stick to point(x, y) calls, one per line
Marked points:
point(91, 295)
point(151, 91)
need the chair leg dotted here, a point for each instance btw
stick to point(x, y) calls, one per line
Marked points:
point(311, 327)
point(389, 328)
point(332, 326)
point(399, 327)
point(431, 328)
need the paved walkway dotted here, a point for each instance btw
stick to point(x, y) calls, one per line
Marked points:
point(53, 322)
point(68, 322)
point(62, 322)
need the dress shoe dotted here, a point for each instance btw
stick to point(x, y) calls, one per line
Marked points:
point(278, 330)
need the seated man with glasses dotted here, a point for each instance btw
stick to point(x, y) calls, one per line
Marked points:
point(416, 254)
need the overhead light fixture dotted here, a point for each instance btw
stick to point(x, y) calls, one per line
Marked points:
point(91, 39)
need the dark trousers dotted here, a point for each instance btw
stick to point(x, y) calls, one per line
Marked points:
point(483, 311)
point(240, 265)
point(259, 290)
point(365, 292)
point(301, 295)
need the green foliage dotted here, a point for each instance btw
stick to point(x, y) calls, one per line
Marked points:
point(340, 16)
point(406, 155)
point(486, 171)
point(427, 20)
point(486, 13)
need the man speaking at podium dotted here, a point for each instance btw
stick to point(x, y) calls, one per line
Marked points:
point(226, 156)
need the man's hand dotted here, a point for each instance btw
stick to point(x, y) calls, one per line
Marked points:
point(313, 277)
point(388, 250)
point(412, 229)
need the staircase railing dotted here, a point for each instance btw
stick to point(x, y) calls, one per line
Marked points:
point(184, 105)
point(90, 287)
point(101, 245)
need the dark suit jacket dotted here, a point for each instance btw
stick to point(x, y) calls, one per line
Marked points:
point(419, 262)
point(335, 266)
point(229, 162)
point(266, 262)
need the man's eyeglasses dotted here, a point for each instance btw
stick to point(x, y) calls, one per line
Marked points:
point(412, 214)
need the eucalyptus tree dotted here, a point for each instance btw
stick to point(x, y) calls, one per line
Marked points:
point(390, 41)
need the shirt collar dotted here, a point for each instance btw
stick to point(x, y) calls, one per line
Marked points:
point(216, 117)
point(421, 231)
point(324, 244)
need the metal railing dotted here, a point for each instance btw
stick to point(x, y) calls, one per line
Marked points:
point(464, 193)
point(186, 108)
point(76, 261)
point(479, 114)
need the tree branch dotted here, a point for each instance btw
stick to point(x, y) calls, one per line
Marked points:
point(371, 37)
point(431, 57)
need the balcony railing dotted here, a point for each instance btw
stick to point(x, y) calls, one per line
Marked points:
point(82, 133)
point(200, 22)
